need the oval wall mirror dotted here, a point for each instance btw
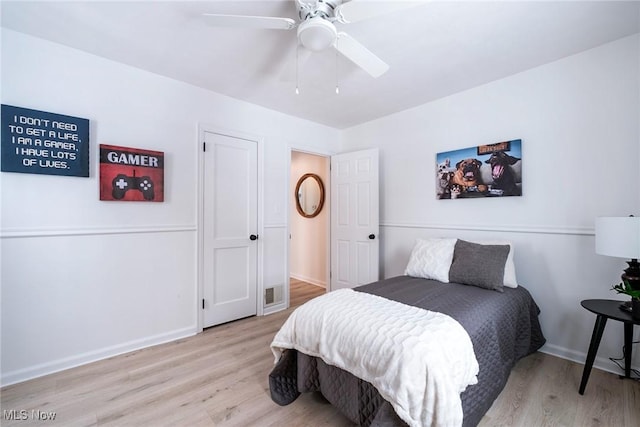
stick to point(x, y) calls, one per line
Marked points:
point(309, 195)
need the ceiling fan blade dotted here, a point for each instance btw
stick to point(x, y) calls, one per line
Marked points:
point(360, 55)
point(354, 10)
point(247, 21)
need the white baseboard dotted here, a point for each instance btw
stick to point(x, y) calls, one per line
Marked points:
point(602, 363)
point(31, 372)
point(274, 309)
point(309, 280)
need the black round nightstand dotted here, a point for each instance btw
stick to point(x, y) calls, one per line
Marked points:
point(607, 309)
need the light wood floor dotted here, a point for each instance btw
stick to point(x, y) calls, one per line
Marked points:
point(219, 378)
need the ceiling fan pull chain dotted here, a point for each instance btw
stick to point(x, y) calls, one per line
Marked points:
point(337, 86)
point(297, 50)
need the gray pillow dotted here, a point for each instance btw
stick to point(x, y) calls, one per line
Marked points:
point(479, 265)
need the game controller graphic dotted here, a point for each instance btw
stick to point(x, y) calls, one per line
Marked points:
point(123, 183)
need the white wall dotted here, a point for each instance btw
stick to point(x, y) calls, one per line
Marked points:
point(309, 236)
point(579, 122)
point(84, 279)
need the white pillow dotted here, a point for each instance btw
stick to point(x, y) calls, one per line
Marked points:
point(431, 259)
point(509, 267)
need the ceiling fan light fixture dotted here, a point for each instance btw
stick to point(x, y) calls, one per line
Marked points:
point(317, 34)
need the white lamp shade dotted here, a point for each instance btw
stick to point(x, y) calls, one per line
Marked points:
point(618, 236)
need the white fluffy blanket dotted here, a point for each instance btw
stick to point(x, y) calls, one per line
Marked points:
point(418, 360)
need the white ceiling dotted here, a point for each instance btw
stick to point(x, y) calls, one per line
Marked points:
point(434, 49)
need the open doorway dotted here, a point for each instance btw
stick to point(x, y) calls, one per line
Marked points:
point(309, 225)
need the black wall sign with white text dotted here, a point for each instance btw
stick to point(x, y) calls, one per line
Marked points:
point(44, 143)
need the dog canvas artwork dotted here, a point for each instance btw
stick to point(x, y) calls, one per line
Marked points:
point(502, 174)
point(467, 175)
point(443, 179)
point(491, 170)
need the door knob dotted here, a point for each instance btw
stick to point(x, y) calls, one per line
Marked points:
point(372, 236)
point(253, 237)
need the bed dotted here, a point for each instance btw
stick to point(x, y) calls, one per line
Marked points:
point(502, 326)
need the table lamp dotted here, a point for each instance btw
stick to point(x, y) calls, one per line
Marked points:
point(620, 237)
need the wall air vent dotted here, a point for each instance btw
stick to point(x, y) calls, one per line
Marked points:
point(274, 295)
point(269, 297)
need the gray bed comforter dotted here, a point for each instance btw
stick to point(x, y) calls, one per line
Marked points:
point(503, 328)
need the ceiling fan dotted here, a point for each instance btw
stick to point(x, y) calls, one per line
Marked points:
point(316, 29)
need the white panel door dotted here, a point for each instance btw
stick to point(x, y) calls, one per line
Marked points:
point(230, 228)
point(354, 219)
